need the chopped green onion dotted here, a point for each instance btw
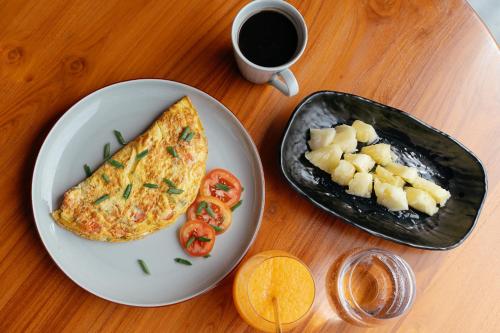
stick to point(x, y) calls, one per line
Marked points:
point(236, 205)
point(185, 133)
point(143, 265)
point(101, 199)
point(141, 154)
point(115, 163)
point(105, 178)
point(190, 241)
point(210, 211)
point(169, 182)
point(204, 239)
point(88, 172)
point(127, 191)
point(206, 256)
point(189, 137)
point(150, 185)
point(183, 261)
point(119, 137)
point(174, 191)
point(200, 208)
point(216, 227)
point(107, 151)
point(223, 187)
point(172, 151)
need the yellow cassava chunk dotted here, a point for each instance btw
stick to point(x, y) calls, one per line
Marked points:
point(362, 162)
point(364, 132)
point(390, 196)
point(321, 137)
point(345, 137)
point(421, 200)
point(437, 192)
point(325, 158)
point(388, 177)
point(381, 153)
point(361, 185)
point(343, 173)
point(407, 173)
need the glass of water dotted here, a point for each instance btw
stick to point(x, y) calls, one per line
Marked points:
point(368, 287)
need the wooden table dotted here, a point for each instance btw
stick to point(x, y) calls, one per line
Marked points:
point(432, 58)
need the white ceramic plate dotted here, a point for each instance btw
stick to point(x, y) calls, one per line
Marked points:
point(110, 270)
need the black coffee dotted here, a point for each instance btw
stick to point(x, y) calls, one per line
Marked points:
point(268, 39)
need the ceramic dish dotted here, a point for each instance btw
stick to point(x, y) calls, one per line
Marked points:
point(110, 270)
point(436, 155)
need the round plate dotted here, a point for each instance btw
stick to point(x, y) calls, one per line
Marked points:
point(110, 270)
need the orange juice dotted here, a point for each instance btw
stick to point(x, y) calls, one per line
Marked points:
point(273, 275)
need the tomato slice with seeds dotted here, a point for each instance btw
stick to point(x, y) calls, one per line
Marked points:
point(212, 211)
point(197, 238)
point(223, 185)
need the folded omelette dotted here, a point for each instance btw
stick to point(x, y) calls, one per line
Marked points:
point(145, 186)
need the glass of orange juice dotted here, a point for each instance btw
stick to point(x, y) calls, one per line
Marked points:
point(269, 279)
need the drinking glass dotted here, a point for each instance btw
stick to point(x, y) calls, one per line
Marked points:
point(368, 287)
point(245, 297)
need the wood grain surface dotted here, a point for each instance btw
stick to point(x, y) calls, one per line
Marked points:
point(431, 58)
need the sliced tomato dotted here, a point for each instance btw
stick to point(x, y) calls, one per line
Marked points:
point(197, 238)
point(223, 185)
point(212, 211)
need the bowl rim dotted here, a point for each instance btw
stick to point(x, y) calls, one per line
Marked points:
point(349, 220)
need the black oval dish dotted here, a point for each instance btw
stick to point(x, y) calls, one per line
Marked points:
point(436, 155)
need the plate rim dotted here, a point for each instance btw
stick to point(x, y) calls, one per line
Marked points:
point(349, 220)
point(247, 136)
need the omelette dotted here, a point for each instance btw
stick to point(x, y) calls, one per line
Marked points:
point(144, 186)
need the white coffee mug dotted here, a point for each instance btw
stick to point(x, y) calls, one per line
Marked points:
point(280, 77)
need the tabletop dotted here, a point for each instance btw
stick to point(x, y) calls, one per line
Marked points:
point(432, 58)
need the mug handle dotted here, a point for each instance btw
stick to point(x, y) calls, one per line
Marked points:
point(285, 82)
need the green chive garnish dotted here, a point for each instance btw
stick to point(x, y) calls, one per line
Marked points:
point(183, 261)
point(101, 199)
point(127, 191)
point(141, 154)
point(107, 151)
point(88, 172)
point(169, 182)
point(119, 137)
point(172, 151)
point(143, 265)
point(204, 239)
point(105, 178)
point(206, 256)
point(236, 205)
point(174, 191)
point(185, 133)
point(190, 241)
point(150, 185)
point(210, 211)
point(189, 137)
point(115, 163)
point(200, 208)
point(216, 227)
point(223, 187)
